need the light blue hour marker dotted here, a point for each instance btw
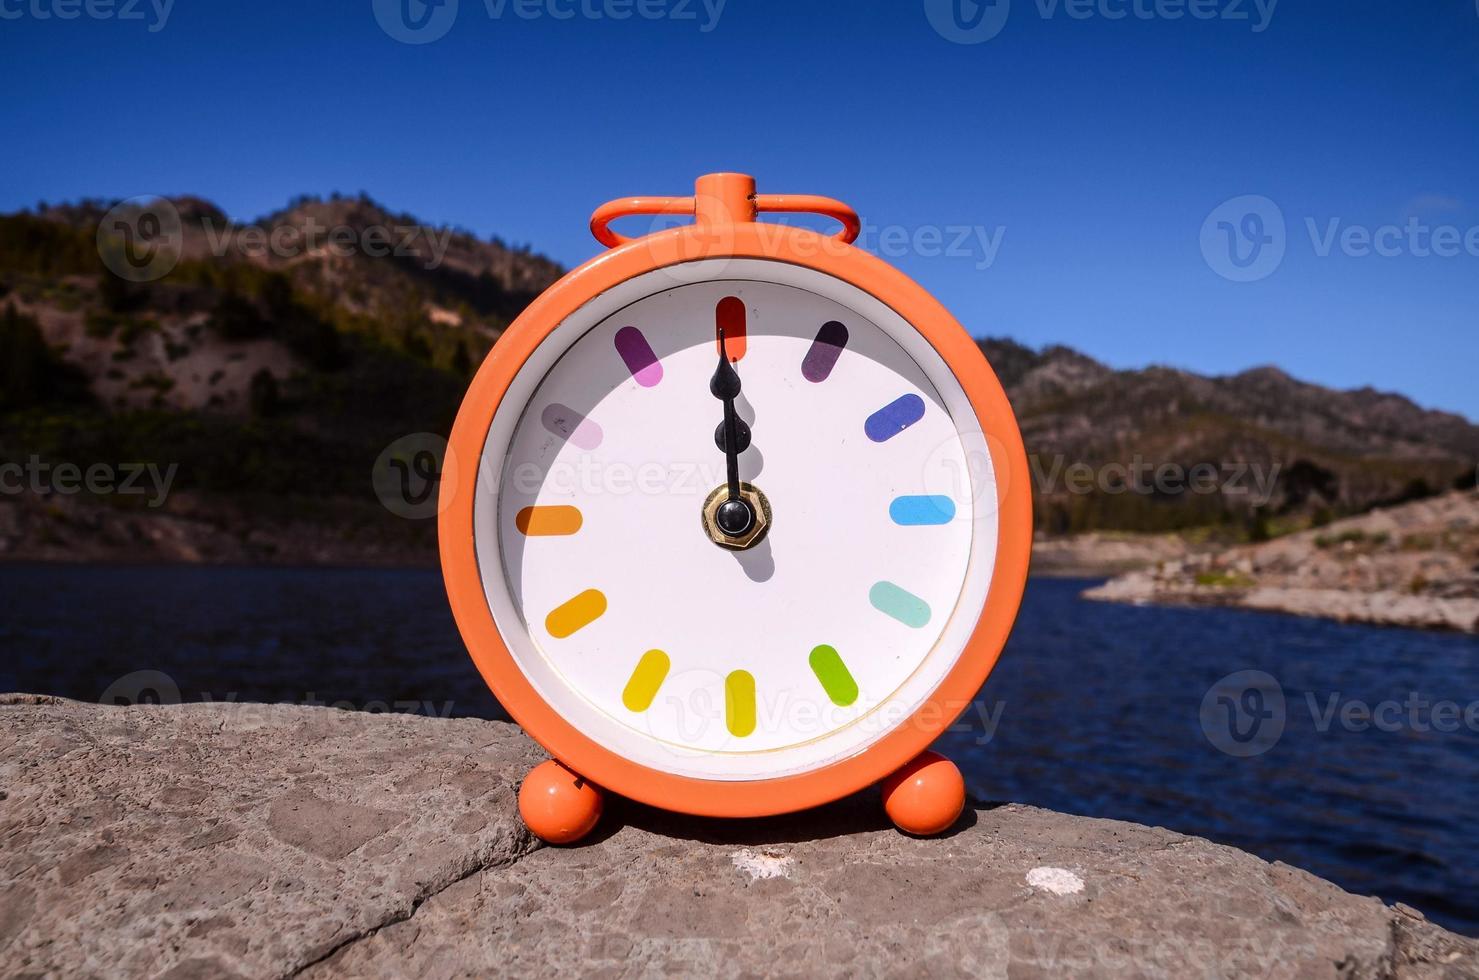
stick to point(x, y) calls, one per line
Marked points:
point(904, 606)
point(922, 509)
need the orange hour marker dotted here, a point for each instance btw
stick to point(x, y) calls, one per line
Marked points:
point(575, 613)
point(729, 316)
point(554, 519)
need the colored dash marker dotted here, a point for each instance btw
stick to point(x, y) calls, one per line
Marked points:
point(836, 680)
point(739, 703)
point(548, 520)
point(651, 671)
point(570, 425)
point(575, 613)
point(894, 417)
point(637, 353)
point(729, 316)
point(912, 511)
point(904, 606)
point(822, 356)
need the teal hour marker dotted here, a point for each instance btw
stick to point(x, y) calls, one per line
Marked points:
point(922, 509)
point(836, 680)
point(902, 605)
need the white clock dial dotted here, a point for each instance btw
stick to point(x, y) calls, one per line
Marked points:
point(694, 659)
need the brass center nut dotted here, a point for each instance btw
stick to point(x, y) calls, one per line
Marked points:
point(751, 495)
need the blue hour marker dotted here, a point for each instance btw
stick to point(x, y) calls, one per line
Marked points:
point(922, 509)
point(894, 417)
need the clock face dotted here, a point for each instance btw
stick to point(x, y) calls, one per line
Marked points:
point(700, 660)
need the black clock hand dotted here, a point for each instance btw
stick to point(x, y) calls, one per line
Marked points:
point(734, 516)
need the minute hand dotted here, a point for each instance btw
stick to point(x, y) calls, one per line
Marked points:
point(734, 433)
point(725, 385)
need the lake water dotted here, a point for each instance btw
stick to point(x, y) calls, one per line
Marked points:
point(1094, 709)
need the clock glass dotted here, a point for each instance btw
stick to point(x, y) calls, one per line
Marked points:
point(841, 603)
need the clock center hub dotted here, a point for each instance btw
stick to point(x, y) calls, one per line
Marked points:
point(739, 523)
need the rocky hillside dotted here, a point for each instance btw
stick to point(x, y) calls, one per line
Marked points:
point(272, 361)
point(1285, 453)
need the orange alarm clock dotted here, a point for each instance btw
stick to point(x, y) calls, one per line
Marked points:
point(735, 522)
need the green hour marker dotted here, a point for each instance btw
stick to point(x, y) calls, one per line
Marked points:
point(827, 664)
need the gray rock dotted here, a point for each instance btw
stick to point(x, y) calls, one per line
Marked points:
point(255, 841)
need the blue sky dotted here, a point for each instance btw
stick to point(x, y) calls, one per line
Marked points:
point(1088, 141)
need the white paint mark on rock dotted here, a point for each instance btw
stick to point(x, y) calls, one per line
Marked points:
point(1059, 881)
point(763, 864)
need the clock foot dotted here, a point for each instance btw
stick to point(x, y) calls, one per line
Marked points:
point(558, 805)
point(926, 796)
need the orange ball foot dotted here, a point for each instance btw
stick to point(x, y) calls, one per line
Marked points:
point(926, 796)
point(557, 805)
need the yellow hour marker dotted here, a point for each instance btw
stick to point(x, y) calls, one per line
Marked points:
point(575, 613)
point(552, 519)
point(651, 671)
point(739, 703)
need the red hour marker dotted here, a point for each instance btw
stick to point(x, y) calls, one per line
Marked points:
point(729, 316)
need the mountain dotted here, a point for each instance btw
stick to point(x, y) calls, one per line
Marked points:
point(273, 360)
point(1285, 453)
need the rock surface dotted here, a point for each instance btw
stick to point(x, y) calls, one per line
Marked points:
point(1099, 554)
point(1415, 565)
point(254, 840)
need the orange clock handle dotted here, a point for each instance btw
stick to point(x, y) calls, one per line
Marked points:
point(621, 207)
point(722, 199)
point(814, 204)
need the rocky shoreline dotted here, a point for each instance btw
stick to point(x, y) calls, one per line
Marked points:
point(1416, 565)
point(241, 840)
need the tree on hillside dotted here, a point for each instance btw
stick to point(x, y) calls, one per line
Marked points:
point(31, 373)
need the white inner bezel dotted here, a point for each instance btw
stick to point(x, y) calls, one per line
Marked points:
point(833, 746)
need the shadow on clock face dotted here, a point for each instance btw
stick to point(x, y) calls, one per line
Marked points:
point(758, 562)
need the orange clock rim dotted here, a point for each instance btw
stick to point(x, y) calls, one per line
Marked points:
point(756, 797)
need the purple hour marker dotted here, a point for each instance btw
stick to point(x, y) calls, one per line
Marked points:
point(633, 347)
point(569, 424)
point(824, 352)
point(894, 417)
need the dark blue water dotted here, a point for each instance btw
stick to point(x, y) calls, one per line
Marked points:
point(1094, 709)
